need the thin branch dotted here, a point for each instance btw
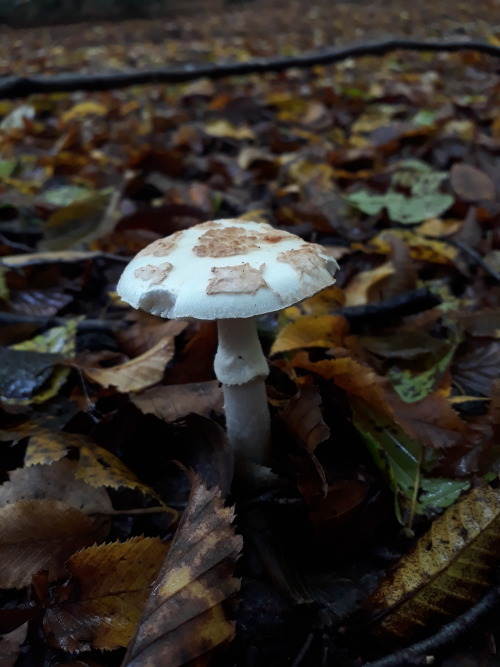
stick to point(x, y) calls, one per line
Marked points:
point(41, 320)
point(448, 634)
point(408, 303)
point(13, 86)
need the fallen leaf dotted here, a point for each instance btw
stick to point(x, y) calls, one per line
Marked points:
point(184, 617)
point(143, 371)
point(471, 184)
point(447, 572)
point(476, 371)
point(89, 107)
point(40, 535)
point(311, 331)
point(358, 290)
point(110, 584)
point(173, 402)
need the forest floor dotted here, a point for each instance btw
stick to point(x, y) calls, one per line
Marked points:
point(383, 389)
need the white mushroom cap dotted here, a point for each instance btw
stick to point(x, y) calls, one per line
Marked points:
point(225, 269)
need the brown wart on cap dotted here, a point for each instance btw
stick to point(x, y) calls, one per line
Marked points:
point(230, 271)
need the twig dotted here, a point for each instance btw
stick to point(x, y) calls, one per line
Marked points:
point(473, 254)
point(448, 634)
point(408, 303)
point(14, 86)
point(41, 320)
point(303, 651)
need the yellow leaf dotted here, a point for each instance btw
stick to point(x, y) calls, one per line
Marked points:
point(357, 292)
point(84, 109)
point(112, 586)
point(139, 373)
point(311, 331)
point(447, 572)
point(224, 129)
point(421, 248)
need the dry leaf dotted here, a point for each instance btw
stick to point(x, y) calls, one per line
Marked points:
point(137, 374)
point(174, 402)
point(40, 535)
point(102, 603)
point(184, 616)
point(447, 571)
point(471, 184)
point(359, 290)
point(303, 417)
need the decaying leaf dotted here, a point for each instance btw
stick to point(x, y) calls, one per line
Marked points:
point(139, 373)
point(40, 535)
point(172, 402)
point(303, 418)
point(447, 571)
point(110, 584)
point(184, 616)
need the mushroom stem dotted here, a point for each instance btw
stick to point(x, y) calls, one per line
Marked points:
point(241, 367)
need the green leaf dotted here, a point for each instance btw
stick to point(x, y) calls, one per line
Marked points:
point(439, 493)
point(7, 167)
point(410, 210)
point(396, 454)
point(366, 202)
point(65, 195)
point(413, 386)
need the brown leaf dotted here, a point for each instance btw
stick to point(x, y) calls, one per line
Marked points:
point(184, 616)
point(476, 371)
point(40, 535)
point(471, 184)
point(173, 402)
point(137, 374)
point(147, 331)
point(54, 482)
point(303, 417)
point(311, 331)
point(102, 603)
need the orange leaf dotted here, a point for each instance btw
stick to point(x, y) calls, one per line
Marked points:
point(311, 331)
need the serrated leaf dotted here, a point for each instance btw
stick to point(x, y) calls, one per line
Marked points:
point(38, 535)
point(111, 583)
point(184, 616)
point(448, 570)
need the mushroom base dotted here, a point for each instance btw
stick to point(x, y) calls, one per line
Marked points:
point(247, 420)
point(241, 367)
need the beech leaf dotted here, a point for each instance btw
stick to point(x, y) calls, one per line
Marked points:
point(111, 584)
point(40, 535)
point(184, 617)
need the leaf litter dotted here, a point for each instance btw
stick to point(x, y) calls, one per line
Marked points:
point(383, 420)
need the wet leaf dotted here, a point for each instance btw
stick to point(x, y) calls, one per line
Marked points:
point(29, 372)
point(447, 571)
point(111, 583)
point(184, 617)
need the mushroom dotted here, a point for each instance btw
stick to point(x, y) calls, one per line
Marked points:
point(230, 271)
